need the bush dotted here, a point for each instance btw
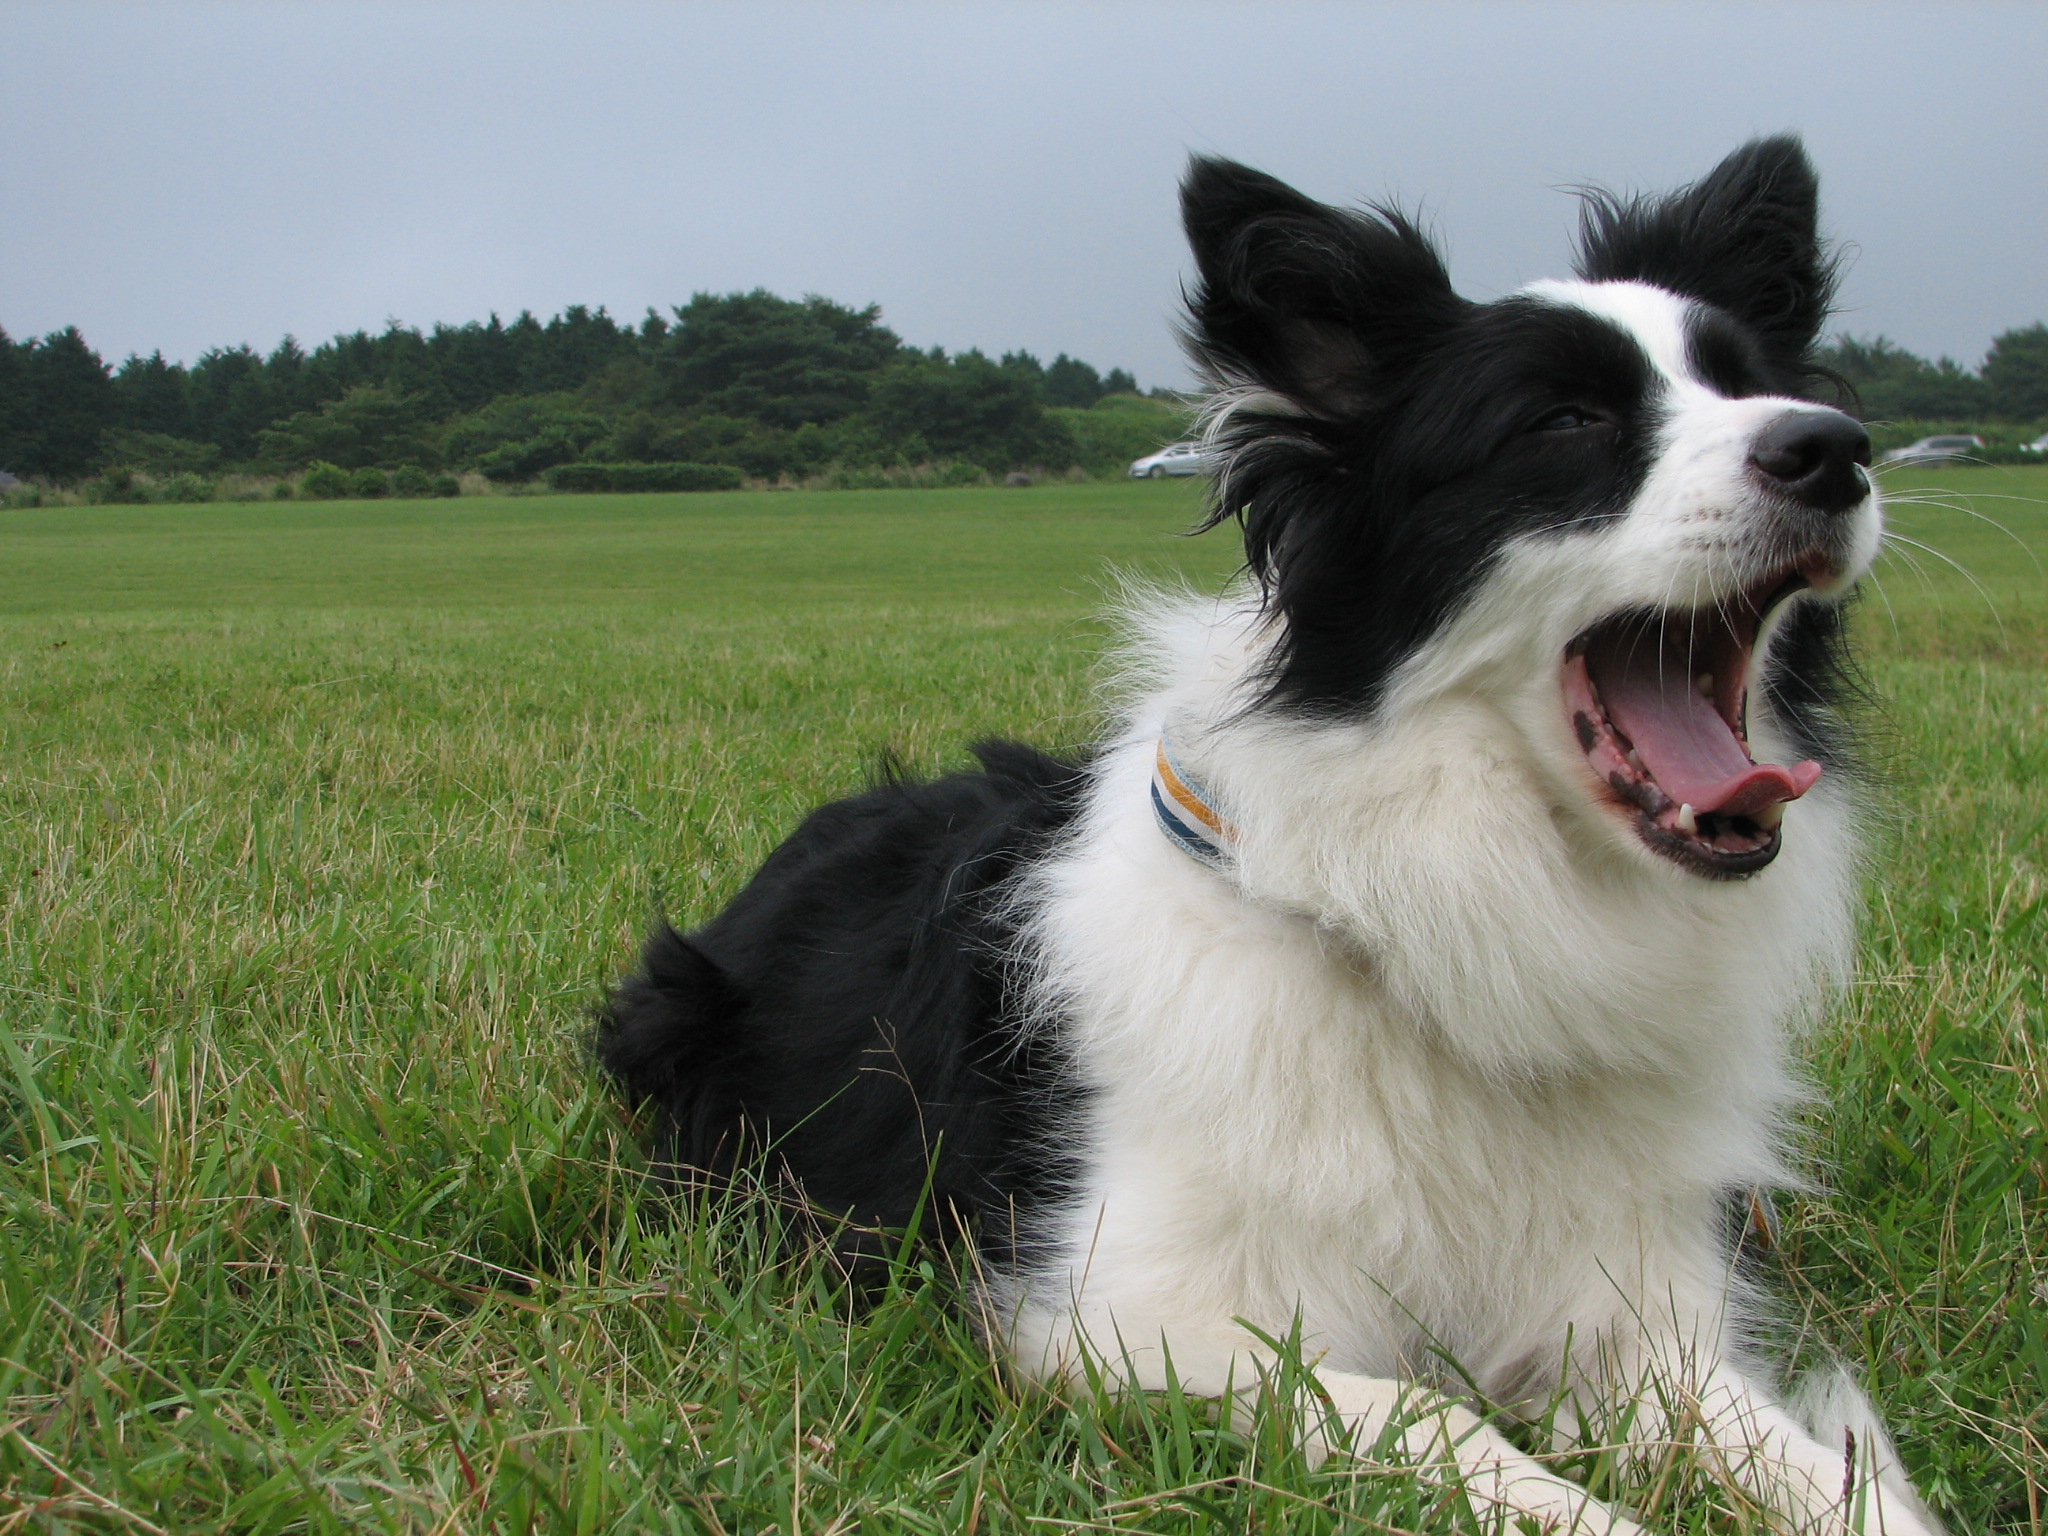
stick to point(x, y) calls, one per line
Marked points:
point(186, 488)
point(117, 487)
point(967, 407)
point(325, 482)
point(368, 483)
point(899, 477)
point(644, 477)
point(366, 424)
point(282, 491)
point(411, 480)
point(1120, 428)
point(445, 485)
point(158, 453)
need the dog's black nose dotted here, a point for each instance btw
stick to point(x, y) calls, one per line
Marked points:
point(1816, 457)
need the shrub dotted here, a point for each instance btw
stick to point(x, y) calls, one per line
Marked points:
point(967, 407)
point(644, 477)
point(282, 491)
point(899, 477)
point(445, 485)
point(367, 423)
point(411, 480)
point(158, 453)
point(1120, 428)
point(515, 437)
point(324, 482)
point(368, 483)
point(117, 487)
point(186, 488)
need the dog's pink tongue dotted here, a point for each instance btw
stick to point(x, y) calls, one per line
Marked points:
point(1681, 737)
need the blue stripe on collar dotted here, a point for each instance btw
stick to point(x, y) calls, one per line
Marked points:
point(1185, 812)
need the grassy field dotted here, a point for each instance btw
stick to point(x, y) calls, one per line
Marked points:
point(322, 826)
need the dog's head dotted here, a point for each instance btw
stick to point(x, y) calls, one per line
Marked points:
point(1613, 506)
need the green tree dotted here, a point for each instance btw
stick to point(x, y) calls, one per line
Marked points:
point(1121, 427)
point(2016, 374)
point(1069, 381)
point(158, 453)
point(370, 425)
point(968, 407)
point(13, 405)
point(231, 398)
point(778, 361)
point(1894, 384)
point(150, 395)
point(67, 403)
point(518, 436)
point(324, 482)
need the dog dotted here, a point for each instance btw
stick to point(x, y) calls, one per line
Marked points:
point(1413, 970)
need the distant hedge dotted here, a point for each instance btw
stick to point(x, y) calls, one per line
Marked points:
point(644, 477)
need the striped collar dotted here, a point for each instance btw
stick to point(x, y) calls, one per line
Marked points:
point(1185, 812)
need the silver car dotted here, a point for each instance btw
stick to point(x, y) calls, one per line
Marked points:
point(1174, 459)
point(1952, 449)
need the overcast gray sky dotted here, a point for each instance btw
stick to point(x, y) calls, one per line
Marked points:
point(996, 175)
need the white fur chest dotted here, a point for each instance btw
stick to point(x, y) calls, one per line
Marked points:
point(1418, 1078)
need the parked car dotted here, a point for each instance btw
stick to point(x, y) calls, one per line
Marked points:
point(1951, 449)
point(1174, 459)
point(2038, 445)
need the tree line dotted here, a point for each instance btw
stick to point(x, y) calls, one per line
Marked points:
point(1892, 384)
point(771, 386)
point(767, 386)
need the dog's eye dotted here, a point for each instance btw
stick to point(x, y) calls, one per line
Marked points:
point(1568, 419)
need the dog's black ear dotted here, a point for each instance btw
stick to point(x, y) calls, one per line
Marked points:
point(1746, 238)
point(1310, 301)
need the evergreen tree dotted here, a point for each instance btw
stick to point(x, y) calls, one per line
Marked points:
point(782, 362)
point(67, 403)
point(1892, 384)
point(150, 396)
point(1069, 381)
point(371, 425)
point(14, 449)
point(2016, 374)
point(231, 399)
point(1027, 368)
point(968, 408)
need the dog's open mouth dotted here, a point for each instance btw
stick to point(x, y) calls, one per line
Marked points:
point(1658, 702)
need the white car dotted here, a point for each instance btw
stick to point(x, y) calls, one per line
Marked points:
point(2038, 445)
point(1174, 459)
point(1951, 449)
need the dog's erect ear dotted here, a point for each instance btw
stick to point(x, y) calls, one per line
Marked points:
point(1745, 238)
point(1307, 300)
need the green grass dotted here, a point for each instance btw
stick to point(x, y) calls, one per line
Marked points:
point(322, 826)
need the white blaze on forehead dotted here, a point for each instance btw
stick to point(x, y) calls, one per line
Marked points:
point(1653, 317)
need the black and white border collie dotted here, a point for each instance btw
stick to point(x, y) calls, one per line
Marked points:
point(1415, 964)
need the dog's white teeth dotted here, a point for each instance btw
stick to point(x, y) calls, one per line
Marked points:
point(1769, 817)
point(1687, 823)
point(1705, 683)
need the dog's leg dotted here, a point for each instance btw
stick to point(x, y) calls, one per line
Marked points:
point(1499, 1481)
point(1851, 1486)
point(1444, 1441)
point(1850, 1483)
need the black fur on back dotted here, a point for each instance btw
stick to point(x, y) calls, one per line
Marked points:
point(853, 1021)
